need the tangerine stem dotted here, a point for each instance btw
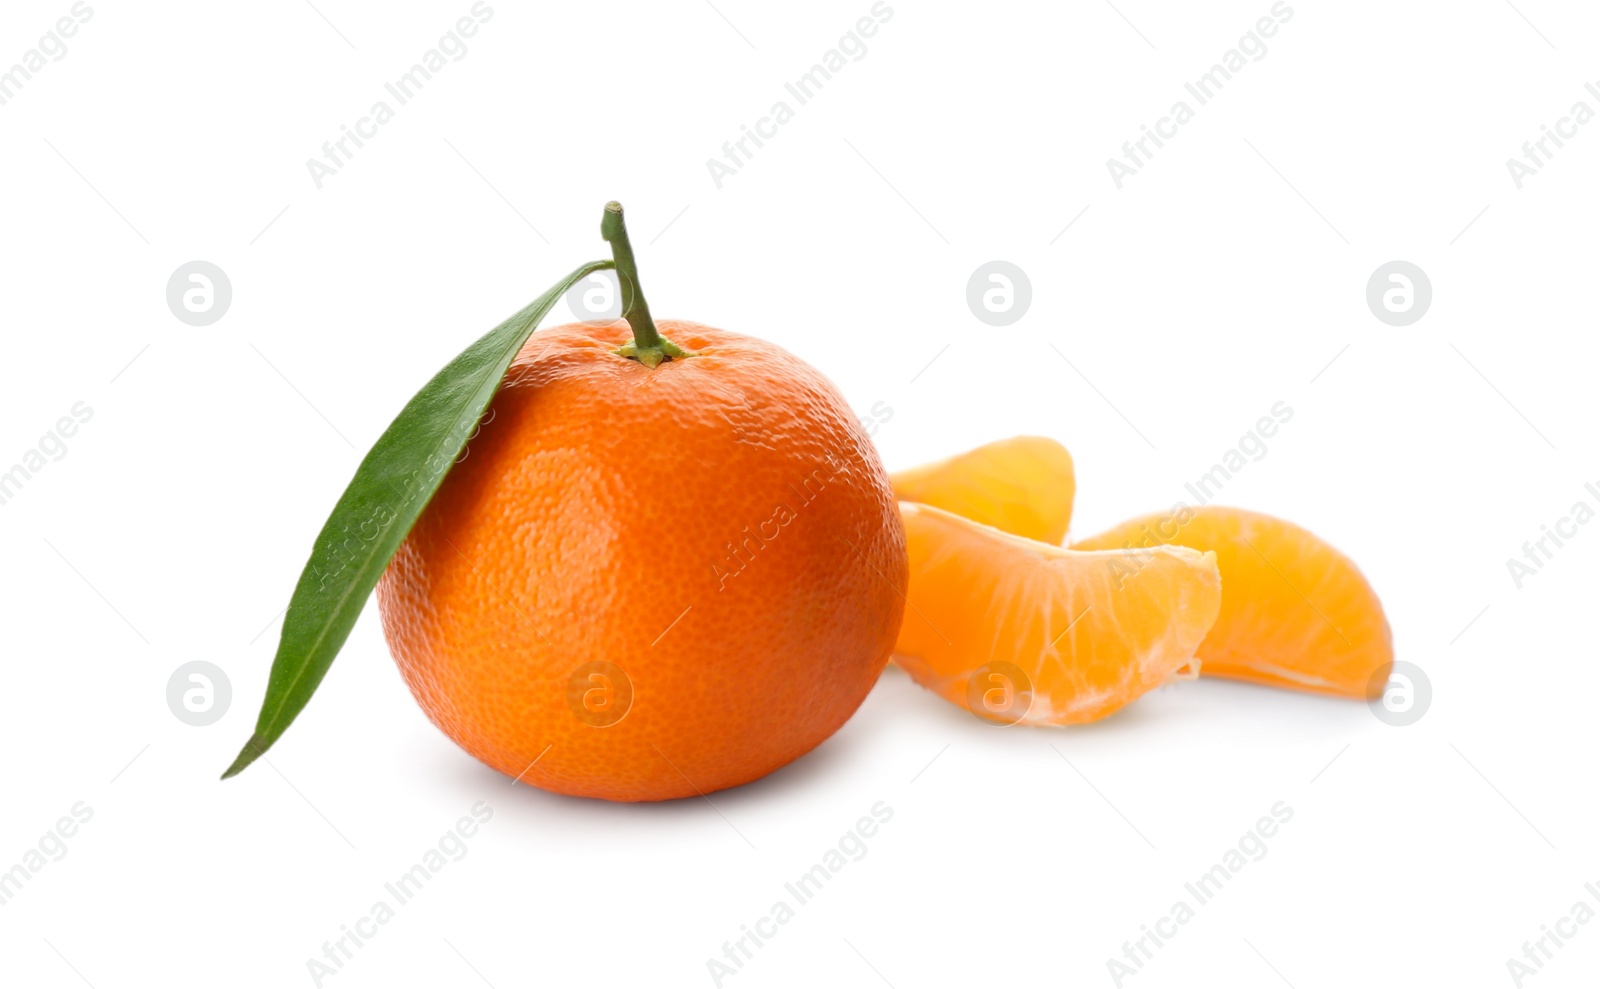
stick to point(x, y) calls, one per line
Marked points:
point(649, 347)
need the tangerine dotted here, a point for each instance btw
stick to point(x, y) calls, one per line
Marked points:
point(664, 567)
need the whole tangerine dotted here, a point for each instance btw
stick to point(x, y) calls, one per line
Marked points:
point(662, 568)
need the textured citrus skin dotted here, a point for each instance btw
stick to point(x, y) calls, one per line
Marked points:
point(1088, 633)
point(1296, 613)
point(1023, 485)
point(720, 528)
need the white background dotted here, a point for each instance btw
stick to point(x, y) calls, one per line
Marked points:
point(1228, 275)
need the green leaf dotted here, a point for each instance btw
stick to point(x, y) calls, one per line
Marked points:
point(389, 491)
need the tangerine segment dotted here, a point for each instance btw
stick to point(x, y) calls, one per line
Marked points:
point(1298, 612)
point(1083, 644)
point(1023, 485)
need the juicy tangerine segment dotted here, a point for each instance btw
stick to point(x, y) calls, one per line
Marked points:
point(1298, 613)
point(979, 596)
point(1023, 485)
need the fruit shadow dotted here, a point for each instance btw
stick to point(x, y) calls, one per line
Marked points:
point(893, 708)
point(897, 708)
point(859, 740)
